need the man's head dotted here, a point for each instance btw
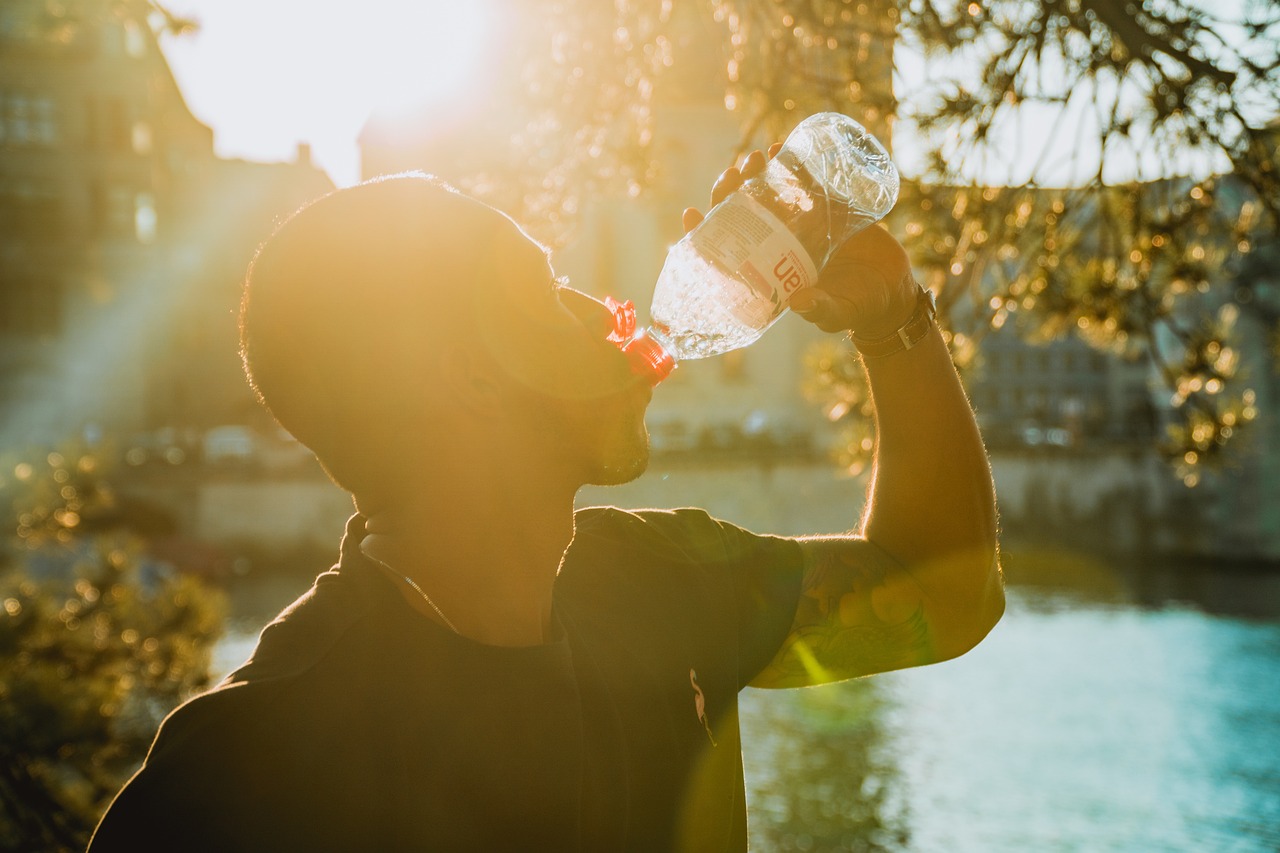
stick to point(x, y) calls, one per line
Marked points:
point(387, 322)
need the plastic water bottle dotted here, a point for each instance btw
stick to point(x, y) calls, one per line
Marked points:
point(731, 277)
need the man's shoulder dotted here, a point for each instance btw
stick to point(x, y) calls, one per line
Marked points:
point(306, 675)
point(672, 527)
point(305, 644)
point(685, 534)
point(313, 631)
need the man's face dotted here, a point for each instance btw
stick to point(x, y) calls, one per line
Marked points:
point(574, 389)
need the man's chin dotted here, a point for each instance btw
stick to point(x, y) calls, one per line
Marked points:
point(624, 470)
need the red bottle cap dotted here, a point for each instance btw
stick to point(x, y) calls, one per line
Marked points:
point(624, 320)
point(649, 358)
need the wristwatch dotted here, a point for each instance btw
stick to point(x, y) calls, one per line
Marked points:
point(911, 333)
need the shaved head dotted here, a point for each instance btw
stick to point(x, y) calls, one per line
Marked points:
point(347, 300)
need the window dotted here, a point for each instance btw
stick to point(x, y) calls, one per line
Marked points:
point(27, 119)
point(43, 25)
point(144, 217)
point(141, 137)
point(135, 41)
point(17, 119)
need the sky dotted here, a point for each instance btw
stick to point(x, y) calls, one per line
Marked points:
point(267, 75)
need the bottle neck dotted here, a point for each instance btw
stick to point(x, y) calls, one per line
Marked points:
point(651, 355)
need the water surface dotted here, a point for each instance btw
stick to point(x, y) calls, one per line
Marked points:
point(1110, 710)
point(1078, 725)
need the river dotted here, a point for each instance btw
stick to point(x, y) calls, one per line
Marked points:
point(1113, 711)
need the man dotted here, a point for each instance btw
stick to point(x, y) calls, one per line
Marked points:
point(484, 669)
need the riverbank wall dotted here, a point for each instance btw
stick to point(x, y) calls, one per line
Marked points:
point(1115, 503)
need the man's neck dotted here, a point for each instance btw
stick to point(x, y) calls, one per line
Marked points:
point(486, 559)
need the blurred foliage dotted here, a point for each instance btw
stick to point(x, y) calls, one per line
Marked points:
point(97, 644)
point(1144, 226)
point(836, 382)
point(585, 85)
point(67, 24)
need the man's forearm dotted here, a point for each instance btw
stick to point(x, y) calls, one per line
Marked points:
point(932, 502)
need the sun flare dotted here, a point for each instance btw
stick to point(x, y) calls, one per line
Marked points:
point(269, 74)
point(425, 54)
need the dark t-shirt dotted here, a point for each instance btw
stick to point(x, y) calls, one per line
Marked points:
point(358, 724)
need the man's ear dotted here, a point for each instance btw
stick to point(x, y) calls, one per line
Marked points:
point(471, 381)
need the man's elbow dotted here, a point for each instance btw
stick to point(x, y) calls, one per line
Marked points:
point(975, 614)
point(985, 619)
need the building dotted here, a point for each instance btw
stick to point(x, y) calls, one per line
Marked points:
point(123, 239)
point(1058, 394)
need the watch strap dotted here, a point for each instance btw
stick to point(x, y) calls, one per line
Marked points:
point(908, 335)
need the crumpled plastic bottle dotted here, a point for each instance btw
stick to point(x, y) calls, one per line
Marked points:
point(731, 277)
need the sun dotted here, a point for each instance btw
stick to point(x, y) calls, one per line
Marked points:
point(269, 74)
point(426, 53)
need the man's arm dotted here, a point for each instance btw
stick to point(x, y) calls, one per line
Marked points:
point(919, 582)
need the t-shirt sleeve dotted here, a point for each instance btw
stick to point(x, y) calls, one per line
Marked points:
point(742, 586)
point(764, 574)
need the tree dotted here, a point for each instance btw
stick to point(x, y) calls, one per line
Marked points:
point(56, 23)
point(97, 644)
point(1131, 236)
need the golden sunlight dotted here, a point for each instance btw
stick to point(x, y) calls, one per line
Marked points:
point(267, 75)
point(427, 54)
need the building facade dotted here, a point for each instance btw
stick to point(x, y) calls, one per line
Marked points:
point(123, 239)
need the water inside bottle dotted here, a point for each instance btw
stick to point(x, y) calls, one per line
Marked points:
point(829, 181)
point(820, 221)
point(698, 307)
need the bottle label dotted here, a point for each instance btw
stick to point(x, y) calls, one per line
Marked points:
point(743, 236)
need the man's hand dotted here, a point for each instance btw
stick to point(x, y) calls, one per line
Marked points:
point(866, 287)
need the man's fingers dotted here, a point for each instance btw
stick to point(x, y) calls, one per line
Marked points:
point(691, 218)
point(730, 179)
point(754, 163)
point(829, 313)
